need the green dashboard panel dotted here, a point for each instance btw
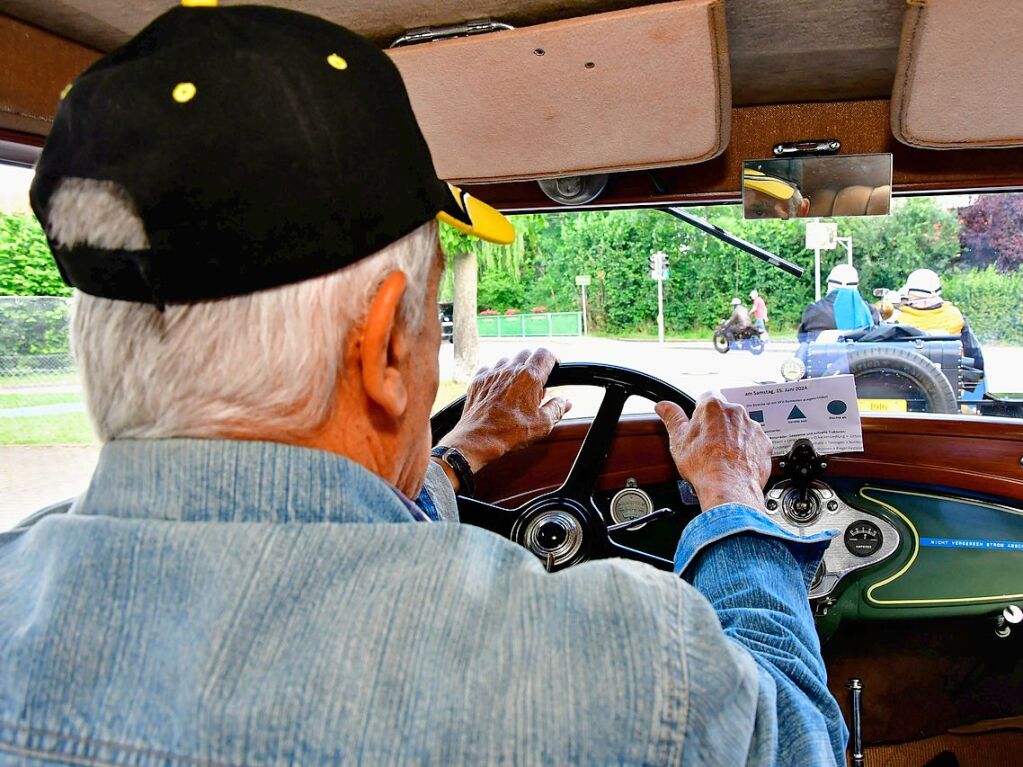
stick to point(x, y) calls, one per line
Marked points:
point(956, 556)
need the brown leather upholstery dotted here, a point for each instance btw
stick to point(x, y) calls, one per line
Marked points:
point(850, 201)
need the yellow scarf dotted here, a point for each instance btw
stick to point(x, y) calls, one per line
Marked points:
point(941, 320)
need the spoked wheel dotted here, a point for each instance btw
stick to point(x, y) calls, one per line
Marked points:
point(564, 527)
point(721, 342)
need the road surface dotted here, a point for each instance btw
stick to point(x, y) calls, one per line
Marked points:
point(33, 477)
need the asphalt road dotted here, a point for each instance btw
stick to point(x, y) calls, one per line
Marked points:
point(693, 366)
point(33, 477)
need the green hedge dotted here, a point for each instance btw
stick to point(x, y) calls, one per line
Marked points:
point(991, 301)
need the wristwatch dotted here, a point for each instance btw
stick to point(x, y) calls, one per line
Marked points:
point(453, 457)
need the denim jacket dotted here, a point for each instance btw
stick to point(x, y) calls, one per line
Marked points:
point(221, 603)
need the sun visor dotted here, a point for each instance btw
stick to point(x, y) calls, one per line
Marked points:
point(958, 79)
point(641, 88)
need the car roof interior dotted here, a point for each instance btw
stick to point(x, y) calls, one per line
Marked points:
point(668, 98)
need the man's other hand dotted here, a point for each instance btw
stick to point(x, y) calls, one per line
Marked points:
point(724, 454)
point(505, 408)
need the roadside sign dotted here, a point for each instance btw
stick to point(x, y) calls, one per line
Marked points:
point(821, 236)
point(582, 280)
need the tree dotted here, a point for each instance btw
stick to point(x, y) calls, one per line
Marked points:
point(460, 249)
point(992, 232)
point(26, 266)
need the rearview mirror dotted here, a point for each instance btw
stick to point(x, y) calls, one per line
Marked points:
point(800, 187)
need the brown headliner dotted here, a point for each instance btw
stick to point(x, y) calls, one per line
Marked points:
point(780, 50)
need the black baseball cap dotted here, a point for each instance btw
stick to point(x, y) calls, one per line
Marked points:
point(259, 147)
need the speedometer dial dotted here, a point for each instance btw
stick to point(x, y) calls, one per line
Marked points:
point(863, 538)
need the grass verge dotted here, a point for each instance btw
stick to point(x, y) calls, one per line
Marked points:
point(61, 429)
point(38, 379)
point(8, 401)
point(74, 428)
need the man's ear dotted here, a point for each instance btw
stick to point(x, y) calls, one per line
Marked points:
point(804, 207)
point(384, 347)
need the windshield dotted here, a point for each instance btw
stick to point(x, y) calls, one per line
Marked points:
point(922, 306)
point(728, 318)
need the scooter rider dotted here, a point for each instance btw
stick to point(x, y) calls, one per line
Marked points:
point(924, 308)
point(841, 309)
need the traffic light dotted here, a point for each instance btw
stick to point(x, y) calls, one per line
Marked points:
point(658, 266)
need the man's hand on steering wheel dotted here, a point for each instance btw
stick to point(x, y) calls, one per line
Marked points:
point(505, 408)
point(724, 454)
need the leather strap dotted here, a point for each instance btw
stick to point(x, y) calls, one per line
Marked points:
point(453, 457)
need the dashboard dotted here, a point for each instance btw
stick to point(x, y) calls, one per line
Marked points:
point(899, 550)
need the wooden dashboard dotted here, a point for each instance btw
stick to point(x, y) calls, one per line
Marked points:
point(973, 454)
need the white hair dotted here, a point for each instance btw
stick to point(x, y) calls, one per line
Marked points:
point(262, 365)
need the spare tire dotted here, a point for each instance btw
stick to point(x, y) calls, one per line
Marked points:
point(914, 368)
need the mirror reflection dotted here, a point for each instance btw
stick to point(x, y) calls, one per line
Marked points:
point(798, 187)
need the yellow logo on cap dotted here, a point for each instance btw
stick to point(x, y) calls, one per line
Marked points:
point(337, 61)
point(66, 90)
point(199, 3)
point(183, 92)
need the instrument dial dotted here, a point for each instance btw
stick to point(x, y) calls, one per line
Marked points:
point(630, 503)
point(863, 538)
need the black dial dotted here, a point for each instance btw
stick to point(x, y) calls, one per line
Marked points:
point(863, 538)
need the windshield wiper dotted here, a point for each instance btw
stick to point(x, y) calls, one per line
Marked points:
point(754, 250)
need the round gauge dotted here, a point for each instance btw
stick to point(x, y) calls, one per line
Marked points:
point(629, 504)
point(863, 538)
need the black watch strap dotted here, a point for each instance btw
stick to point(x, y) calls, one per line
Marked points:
point(453, 457)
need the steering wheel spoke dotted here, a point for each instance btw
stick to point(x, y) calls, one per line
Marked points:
point(625, 552)
point(496, 519)
point(589, 461)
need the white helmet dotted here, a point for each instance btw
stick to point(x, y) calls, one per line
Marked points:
point(736, 301)
point(923, 289)
point(843, 276)
point(754, 294)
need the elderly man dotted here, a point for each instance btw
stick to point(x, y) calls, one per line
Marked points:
point(772, 195)
point(247, 208)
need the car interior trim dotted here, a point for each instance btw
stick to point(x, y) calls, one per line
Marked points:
point(916, 551)
point(562, 83)
point(948, 94)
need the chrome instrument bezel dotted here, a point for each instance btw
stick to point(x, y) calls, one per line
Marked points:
point(630, 492)
point(834, 514)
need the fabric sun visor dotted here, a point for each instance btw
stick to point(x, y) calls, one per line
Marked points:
point(472, 216)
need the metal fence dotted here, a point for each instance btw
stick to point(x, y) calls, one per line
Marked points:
point(34, 337)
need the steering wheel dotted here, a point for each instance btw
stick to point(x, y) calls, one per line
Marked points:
point(564, 526)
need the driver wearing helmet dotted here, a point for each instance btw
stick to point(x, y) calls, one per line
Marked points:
point(924, 308)
point(841, 309)
point(739, 320)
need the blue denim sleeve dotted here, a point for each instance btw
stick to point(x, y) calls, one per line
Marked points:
point(756, 576)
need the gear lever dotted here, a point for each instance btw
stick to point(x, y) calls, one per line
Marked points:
point(802, 466)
